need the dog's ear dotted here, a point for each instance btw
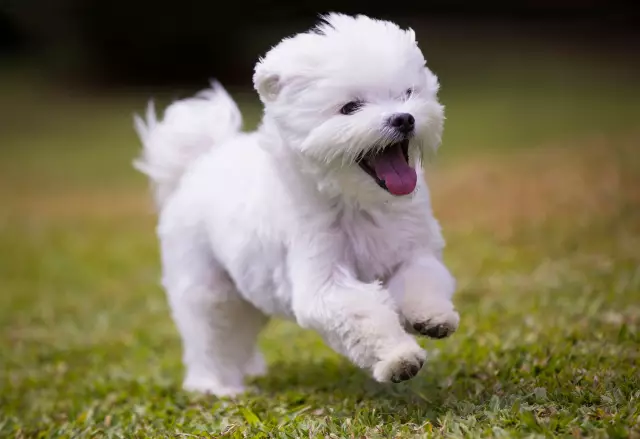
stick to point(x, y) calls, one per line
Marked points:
point(266, 82)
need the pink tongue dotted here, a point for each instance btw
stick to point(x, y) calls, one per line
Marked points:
point(391, 166)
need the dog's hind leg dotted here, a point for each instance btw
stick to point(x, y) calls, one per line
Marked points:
point(217, 326)
point(256, 366)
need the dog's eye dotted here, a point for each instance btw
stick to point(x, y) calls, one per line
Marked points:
point(408, 93)
point(351, 107)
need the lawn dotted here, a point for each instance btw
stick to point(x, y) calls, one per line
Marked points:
point(538, 190)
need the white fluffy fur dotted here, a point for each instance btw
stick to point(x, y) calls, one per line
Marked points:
point(282, 222)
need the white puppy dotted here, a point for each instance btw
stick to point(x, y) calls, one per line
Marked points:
point(321, 216)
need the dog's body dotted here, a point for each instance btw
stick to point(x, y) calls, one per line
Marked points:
point(285, 221)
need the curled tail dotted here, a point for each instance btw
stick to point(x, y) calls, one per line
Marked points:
point(190, 128)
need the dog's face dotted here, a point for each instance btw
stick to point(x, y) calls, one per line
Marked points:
point(354, 98)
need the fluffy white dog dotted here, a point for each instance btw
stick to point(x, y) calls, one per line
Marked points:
point(321, 216)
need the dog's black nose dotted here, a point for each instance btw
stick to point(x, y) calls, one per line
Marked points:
point(403, 122)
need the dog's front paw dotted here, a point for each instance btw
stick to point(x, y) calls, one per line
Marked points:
point(400, 364)
point(439, 322)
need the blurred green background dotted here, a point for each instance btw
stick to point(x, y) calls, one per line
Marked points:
point(537, 187)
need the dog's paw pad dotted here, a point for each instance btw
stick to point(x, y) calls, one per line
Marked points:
point(401, 364)
point(406, 371)
point(438, 326)
point(438, 331)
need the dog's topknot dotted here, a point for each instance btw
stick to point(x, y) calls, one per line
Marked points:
point(357, 46)
point(343, 23)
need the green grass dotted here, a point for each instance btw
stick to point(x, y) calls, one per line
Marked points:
point(545, 243)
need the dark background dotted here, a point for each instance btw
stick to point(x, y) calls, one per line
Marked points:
point(151, 43)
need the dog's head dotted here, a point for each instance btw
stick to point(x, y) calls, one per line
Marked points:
point(354, 98)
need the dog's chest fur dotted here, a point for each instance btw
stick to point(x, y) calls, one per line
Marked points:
point(376, 241)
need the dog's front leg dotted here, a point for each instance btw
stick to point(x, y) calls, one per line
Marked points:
point(356, 319)
point(422, 289)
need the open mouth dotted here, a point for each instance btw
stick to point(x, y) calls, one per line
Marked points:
point(390, 168)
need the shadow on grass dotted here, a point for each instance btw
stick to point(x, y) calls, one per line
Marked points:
point(352, 392)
